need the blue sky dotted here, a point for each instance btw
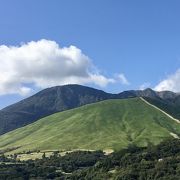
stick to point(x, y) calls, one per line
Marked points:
point(137, 39)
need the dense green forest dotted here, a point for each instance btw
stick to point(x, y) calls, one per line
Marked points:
point(153, 162)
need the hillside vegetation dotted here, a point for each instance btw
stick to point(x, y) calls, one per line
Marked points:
point(61, 98)
point(110, 124)
point(160, 162)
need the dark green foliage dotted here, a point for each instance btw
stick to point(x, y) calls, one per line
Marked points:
point(154, 162)
point(157, 162)
point(49, 168)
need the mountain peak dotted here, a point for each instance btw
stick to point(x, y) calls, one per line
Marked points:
point(149, 93)
point(148, 89)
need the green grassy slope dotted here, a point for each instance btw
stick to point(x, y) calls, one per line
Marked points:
point(110, 124)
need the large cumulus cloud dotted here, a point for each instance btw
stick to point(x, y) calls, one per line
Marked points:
point(43, 64)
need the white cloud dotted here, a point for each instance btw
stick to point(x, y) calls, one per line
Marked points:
point(171, 83)
point(144, 85)
point(122, 79)
point(44, 64)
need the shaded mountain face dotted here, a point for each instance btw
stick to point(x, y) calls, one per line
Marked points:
point(165, 95)
point(165, 100)
point(171, 105)
point(60, 98)
point(47, 102)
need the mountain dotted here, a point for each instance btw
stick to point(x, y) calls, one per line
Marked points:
point(149, 93)
point(47, 102)
point(165, 100)
point(60, 98)
point(109, 124)
point(170, 104)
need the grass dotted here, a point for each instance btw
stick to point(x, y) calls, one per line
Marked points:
point(110, 124)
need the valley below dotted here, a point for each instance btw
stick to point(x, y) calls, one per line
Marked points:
point(153, 162)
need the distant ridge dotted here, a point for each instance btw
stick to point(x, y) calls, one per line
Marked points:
point(61, 98)
point(174, 119)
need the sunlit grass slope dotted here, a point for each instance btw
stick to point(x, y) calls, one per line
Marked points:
point(110, 124)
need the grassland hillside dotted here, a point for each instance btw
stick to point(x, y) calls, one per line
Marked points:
point(61, 98)
point(110, 124)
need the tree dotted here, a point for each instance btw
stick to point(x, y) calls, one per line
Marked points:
point(44, 156)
